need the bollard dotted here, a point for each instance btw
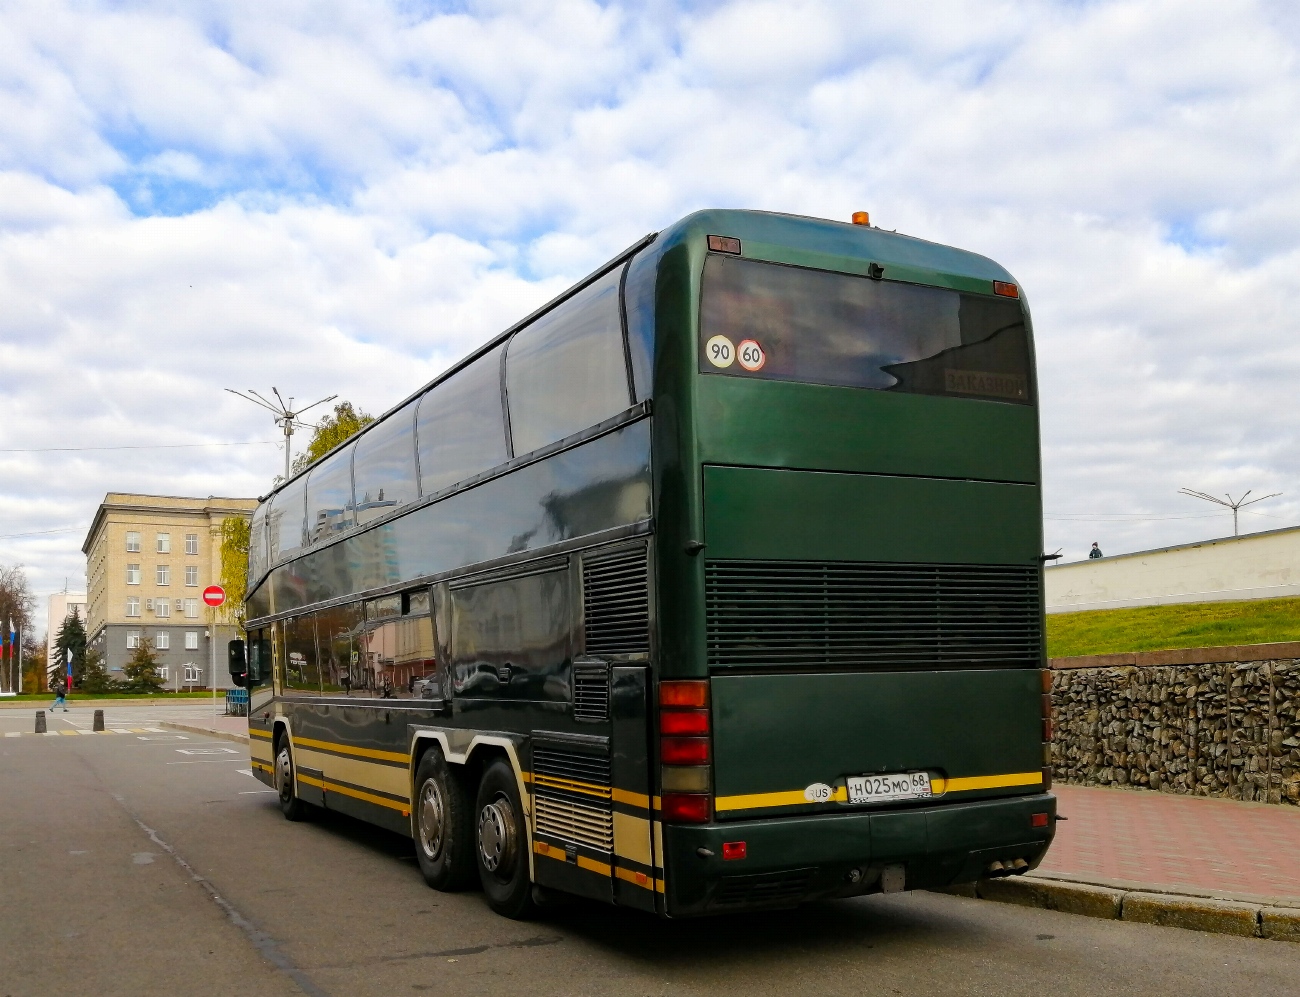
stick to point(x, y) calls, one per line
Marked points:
point(40, 721)
point(99, 720)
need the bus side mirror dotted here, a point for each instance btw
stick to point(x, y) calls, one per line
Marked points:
point(236, 662)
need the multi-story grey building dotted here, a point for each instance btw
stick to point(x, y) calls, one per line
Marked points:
point(148, 560)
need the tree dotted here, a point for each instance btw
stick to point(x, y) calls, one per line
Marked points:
point(141, 671)
point(94, 676)
point(33, 666)
point(235, 535)
point(72, 637)
point(17, 605)
point(331, 431)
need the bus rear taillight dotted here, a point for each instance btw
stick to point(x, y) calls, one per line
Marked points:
point(685, 749)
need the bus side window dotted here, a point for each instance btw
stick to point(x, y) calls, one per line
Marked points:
point(301, 675)
point(460, 427)
point(340, 635)
point(566, 372)
point(329, 496)
point(288, 508)
point(384, 466)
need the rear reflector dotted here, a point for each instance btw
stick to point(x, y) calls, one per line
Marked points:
point(1047, 729)
point(684, 751)
point(1046, 674)
point(684, 693)
point(684, 722)
point(1038, 820)
point(686, 808)
point(1006, 290)
point(733, 850)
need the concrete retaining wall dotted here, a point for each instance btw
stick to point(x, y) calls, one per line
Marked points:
point(1202, 721)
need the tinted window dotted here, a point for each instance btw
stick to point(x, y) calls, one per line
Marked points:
point(287, 507)
point(257, 563)
point(384, 468)
point(513, 638)
point(399, 651)
point(639, 302)
point(340, 635)
point(460, 428)
point(565, 372)
point(300, 670)
point(329, 496)
point(789, 324)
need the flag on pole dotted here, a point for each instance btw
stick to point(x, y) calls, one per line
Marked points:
point(69, 669)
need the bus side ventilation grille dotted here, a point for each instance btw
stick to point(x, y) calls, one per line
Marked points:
point(590, 691)
point(846, 615)
point(616, 602)
point(572, 801)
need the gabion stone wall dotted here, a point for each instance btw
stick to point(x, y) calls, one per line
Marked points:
point(1228, 729)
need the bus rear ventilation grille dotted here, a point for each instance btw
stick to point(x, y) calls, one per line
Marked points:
point(563, 818)
point(590, 692)
point(842, 614)
point(616, 602)
point(571, 765)
point(768, 889)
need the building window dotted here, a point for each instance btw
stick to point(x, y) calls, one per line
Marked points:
point(133, 574)
point(133, 638)
point(162, 607)
point(164, 574)
point(191, 543)
point(191, 609)
point(162, 640)
point(164, 543)
point(133, 605)
point(191, 640)
point(193, 674)
point(132, 542)
point(192, 575)
point(164, 672)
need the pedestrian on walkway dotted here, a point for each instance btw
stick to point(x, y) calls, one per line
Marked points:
point(1096, 551)
point(59, 696)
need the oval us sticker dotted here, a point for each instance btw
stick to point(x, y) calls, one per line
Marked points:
point(751, 355)
point(818, 792)
point(720, 351)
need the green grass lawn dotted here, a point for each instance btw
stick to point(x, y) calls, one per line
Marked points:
point(1155, 628)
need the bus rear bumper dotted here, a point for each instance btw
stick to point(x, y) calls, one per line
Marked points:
point(789, 861)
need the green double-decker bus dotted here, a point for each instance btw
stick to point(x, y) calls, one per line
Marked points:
point(713, 585)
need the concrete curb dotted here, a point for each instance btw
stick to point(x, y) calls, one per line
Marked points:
point(1245, 918)
point(224, 735)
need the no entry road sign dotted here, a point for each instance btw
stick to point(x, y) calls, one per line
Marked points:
point(214, 595)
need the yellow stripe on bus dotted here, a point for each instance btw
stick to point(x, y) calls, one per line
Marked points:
point(344, 749)
point(795, 797)
point(591, 865)
point(254, 732)
point(332, 787)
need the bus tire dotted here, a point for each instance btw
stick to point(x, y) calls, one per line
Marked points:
point(442, 824)
point(501, 843)
point(285, 784)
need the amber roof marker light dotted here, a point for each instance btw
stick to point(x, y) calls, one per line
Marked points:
point(1005, 289)
point(861, 218)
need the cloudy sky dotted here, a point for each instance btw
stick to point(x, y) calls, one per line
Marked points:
point(344, 197)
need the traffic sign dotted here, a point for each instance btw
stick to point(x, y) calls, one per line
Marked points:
point(214, 595)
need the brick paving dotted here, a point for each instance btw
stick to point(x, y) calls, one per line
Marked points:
point(1187, 842)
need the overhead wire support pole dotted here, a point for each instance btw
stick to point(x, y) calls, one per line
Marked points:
point(286, 416)
point(1232, 504)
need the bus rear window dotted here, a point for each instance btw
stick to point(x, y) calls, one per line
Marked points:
point(783, 323)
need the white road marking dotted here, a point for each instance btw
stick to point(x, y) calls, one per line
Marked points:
point(247, 772)
point(13, 733)
point(207, 751)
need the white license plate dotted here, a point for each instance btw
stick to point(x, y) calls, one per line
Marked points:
point(885, 788)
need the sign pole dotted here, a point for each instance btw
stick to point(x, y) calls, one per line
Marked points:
point(213, 597)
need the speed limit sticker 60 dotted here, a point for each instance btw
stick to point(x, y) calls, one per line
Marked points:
point(720, 351)
point(751, 355)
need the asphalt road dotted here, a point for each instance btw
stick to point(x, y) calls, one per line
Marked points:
point(153, 863)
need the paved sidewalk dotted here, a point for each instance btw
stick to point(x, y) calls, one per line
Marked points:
point(1175, 843)
point(228, 728)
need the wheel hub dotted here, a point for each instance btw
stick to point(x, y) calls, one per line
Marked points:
point(283, 772)
point(431, 819)
point(496, 835)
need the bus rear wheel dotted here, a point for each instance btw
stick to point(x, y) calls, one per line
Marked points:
point(442, 825)
point(502, 843)
point(292, 807)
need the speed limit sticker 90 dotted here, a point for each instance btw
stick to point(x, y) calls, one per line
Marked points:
point(751, 355)
point(720, 351)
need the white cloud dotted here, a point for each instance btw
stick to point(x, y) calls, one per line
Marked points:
point(345, 197)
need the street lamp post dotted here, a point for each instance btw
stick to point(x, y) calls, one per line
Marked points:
point(1240, 503)
point(286, 416)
